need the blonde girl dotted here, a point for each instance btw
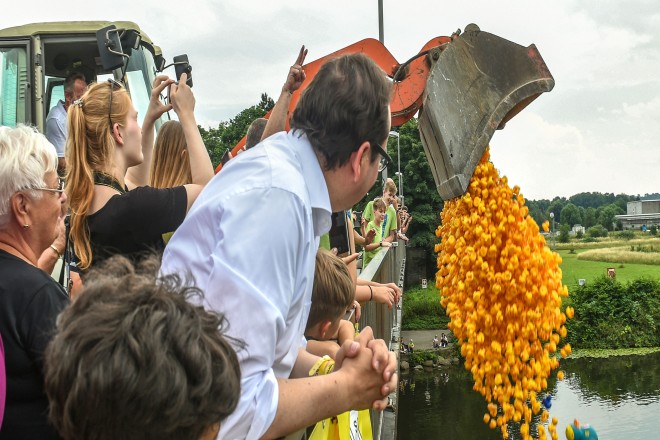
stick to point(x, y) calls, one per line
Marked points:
point(113, 211)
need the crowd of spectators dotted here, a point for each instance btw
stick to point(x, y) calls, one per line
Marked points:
point(181, 319)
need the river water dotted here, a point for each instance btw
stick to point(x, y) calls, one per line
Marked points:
point(618, 396)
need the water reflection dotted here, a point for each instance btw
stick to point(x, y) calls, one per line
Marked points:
point(619, 396)
point(616, 378)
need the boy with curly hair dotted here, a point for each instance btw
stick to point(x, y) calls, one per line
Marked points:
point(134, 359)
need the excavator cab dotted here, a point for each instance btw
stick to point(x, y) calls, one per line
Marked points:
point(36, 58)
point(478, 81)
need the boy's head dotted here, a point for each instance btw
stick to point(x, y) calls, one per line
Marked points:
point(380, 208)
point(389, 192)
point(133, 359)
point(332, 295)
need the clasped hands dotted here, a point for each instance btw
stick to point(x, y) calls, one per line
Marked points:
point(371, 368)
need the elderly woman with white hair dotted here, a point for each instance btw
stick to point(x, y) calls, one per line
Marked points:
point(32, 204)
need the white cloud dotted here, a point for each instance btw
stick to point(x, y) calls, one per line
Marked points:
point(649, 110)
point(533, 153)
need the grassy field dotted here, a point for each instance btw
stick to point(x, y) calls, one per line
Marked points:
point(573, 269)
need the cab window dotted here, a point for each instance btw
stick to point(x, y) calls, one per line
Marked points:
point(13, 86)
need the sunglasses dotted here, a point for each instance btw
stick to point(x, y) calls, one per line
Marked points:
point(385, 158)
point(114, 85)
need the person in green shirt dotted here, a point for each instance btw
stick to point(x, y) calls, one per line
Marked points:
point(390, 223)
point(376, 224)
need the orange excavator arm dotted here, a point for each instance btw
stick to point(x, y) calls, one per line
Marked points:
point(464, 87)
point(407, 91)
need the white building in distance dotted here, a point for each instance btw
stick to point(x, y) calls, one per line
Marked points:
point(641, 214)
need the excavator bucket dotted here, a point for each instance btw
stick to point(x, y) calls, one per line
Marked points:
point(477, 83)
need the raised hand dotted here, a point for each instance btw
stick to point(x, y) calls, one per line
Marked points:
point(181, 96)
point(156, 106)
point(296, 75)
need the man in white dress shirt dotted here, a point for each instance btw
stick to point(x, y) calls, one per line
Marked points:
point(249, 242)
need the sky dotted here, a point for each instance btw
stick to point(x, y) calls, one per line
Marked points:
point(597, 130)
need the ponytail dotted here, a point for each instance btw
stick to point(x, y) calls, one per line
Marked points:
point(89, 147)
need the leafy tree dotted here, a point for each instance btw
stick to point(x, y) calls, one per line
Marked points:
point(564, 233)
point(421, 195)
point(570, 215)
point(556, 206)
point(592, 199)
point(606, 215)
point(582, 210)
point(589, 218)
point(228, 133)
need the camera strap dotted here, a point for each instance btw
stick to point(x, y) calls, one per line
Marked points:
point(64, 271)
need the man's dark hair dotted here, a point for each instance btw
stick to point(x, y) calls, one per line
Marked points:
point(70, 80)
point(345, 105)
point(134, 359)
point(254, 132)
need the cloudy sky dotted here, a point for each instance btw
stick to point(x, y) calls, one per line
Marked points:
point(597, 130)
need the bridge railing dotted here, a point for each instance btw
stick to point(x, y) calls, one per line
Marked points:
point(388, 266)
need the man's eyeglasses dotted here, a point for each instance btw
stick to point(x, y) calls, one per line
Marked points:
point(114, 85)
point(59, 189)
point(385, 158)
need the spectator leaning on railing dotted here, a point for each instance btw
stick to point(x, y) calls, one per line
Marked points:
point(378, 225)
point(294, 181)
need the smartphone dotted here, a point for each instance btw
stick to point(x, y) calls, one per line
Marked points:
point(358, 219)
point(226, 156)
point(181, 65)
point(339, 233)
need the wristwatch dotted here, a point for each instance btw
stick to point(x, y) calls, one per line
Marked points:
point(380, 244)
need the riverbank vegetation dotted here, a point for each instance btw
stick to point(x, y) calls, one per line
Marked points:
point(443, 357)
point(601, 353)
point(422, 309)
point(610, 314)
